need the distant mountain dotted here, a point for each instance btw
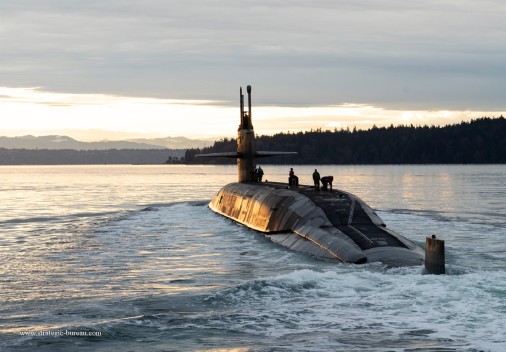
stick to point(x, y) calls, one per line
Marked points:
point(174, 142)
point(54, 142)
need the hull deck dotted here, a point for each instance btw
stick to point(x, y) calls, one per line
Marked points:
point(327, 224)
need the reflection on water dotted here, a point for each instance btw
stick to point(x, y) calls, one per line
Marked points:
point(27, 192)
point(453, 189)
point(437, 189)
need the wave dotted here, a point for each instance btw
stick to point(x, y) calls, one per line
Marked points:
point(58, 218)
point(78, 215)
point(196, 203)
point(351, 308)
point(472, 217)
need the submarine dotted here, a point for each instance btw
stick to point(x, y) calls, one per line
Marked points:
point(331, 225)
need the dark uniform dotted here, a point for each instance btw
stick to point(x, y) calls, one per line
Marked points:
point(316, 179)
point(327, 180)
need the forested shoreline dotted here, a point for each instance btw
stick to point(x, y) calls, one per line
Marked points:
point(480, 141)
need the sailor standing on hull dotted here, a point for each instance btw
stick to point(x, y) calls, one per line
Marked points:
point(316, 180)
point(260, 174)
point(293, 181)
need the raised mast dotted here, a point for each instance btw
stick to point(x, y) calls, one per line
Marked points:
point(245, 142)
point(248, 89)
point(241, 98)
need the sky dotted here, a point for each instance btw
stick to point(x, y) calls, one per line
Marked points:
point(114, 68)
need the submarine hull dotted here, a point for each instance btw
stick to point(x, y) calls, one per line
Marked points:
point(330, 225)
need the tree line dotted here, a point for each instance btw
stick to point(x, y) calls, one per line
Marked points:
point(480, 141)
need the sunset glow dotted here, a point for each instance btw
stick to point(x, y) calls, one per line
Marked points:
point(36, 111)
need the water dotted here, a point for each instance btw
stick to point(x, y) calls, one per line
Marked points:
point(132, 253)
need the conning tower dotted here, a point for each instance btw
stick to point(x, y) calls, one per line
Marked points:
point(246, 152)
point(245, 142)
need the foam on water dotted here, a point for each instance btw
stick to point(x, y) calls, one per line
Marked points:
point(470, 246)
point(375, 305)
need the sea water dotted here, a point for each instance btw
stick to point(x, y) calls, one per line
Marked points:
point(130, 258)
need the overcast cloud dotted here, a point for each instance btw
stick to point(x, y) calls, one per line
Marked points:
point(392, 54)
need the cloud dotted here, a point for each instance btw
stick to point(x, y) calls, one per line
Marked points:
point(394, 54)
point(45, 112)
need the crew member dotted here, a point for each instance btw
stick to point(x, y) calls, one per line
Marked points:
point(327, 181)
point(293, 180)
point(316, 180)
point(260, 174)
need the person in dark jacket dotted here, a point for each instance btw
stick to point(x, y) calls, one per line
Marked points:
point(316, 179)
point(327, 181)
point(260, 174)
point(293, 181)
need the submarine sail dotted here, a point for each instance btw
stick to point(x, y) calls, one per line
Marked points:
point(246, 152)
point(331, 225)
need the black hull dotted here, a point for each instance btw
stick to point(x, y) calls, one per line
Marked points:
point(330, 225)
